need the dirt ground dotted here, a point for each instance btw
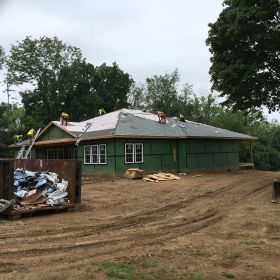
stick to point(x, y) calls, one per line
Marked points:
point(217, 225)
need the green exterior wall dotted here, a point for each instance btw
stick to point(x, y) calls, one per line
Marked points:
point(159, 154)
point(209, 154)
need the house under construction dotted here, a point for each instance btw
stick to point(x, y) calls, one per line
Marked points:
point(126, 138)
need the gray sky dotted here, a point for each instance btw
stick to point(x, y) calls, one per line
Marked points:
point(144, 37)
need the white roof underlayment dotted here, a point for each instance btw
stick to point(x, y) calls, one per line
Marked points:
point(107, 121)
point(138, 123)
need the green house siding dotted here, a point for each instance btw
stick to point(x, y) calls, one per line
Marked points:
point(158, 155)
point(212, 153)
point(53, 132)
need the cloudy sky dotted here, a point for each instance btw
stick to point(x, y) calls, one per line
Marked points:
point(144, 37)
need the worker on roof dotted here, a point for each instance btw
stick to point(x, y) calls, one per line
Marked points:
point(101, 112)
point(18, 138)
point(161, 117)
point(31, 133)
point(182, 118)
point(64, 118)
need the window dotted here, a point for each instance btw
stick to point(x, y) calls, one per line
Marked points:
point(71, 153)
point(95, 154)
point(138, 152)
point(102, 154)
point(129, 154)
point(60, 153)
point(50, 153)
point(134, 153)
point(87, 152)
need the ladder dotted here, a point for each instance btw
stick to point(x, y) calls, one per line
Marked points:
point(32, 143)
point(20, 152)
point(88, 125)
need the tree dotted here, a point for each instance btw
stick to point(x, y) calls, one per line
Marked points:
point(162, 93)
point(32, 59)
point(37, 63)
point(2, 57)
point(137, 95)
point(112, 85)
point(244, 43)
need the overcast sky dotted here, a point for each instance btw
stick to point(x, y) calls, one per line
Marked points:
point(144, 37)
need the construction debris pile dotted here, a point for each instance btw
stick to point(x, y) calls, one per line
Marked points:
point(38, 189)
point(160, 177)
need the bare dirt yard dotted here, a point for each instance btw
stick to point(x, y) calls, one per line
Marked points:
point(212, 226)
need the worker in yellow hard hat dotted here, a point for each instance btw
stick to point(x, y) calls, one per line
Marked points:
point(64, 118)
point(182, 118)
point(101, 112)
point(31, 134)
point(18, 138)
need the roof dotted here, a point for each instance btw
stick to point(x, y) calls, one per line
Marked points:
point(129, 123)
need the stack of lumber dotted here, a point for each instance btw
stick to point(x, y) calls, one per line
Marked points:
point(134, 173)
point(160, 177)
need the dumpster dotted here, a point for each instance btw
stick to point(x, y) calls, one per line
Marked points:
point(69, 170)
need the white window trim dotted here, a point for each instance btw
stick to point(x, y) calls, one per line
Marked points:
point(98, 154)
point(85, 154)
point(91, 154)
point(125, 153)
point(142, 153)
point(134, 153)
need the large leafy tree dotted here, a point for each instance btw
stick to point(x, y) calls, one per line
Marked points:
point(162, 93)
point(32, 59)
point(112, 84)
point(37, 64)
point(57, 79)
point(244, 42)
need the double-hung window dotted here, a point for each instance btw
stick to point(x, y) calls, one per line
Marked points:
point(134, 153)
point(51, 154)
point(95, 154)
point(60, 153)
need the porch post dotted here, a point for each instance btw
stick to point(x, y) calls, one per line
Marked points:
point(251, 152)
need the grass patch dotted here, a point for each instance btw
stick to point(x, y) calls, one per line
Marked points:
point(233, 255)
point(228, 274)
point(253, 242)
point(190, 277)
point(146, 269)
point(148, 263)
point(119, 270)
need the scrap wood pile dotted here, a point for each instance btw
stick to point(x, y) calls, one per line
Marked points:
point(160, 177)
point(38, 189)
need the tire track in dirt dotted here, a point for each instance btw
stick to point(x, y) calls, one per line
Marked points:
point(137, 219)
point(129, 228)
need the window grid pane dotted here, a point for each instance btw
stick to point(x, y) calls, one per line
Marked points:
point(139, 152)
point(71, 154)
point(50, 153)
point(60, 154)
point(94, 154)
point(87, 154)
point(129, 156)
point(102, 154)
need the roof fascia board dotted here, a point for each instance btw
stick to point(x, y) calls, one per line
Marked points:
point(166, 137)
